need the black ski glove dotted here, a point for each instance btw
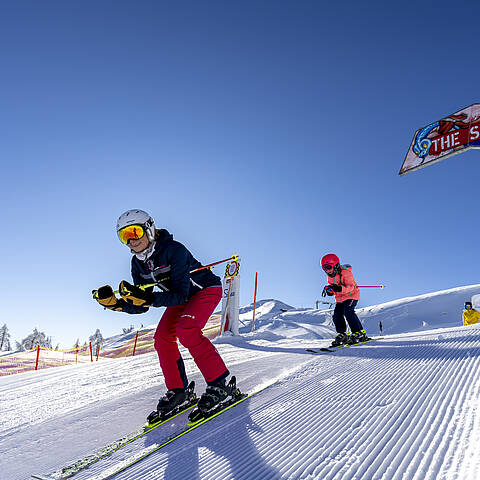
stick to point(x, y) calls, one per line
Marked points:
point(336, 288)
point(106, 298)
point(136, 295)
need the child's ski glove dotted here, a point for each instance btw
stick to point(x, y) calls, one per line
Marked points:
point(331, 289)
point(327, 290)
point(136, 295)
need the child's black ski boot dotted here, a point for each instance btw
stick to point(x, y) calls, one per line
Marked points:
point(358, 337)
point(340, 339)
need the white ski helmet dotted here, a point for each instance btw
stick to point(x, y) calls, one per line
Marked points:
point(137, 217)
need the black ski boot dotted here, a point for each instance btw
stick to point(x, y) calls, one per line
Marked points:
point(358, 337)
point(216, 397)
point(172, 399)
point(340, 339)
point(173, 402)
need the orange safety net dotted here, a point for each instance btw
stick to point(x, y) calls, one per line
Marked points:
point(19, 362)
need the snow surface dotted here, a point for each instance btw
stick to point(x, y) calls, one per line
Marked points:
point(404, 407)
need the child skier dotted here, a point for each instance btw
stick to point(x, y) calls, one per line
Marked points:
point(470, 315)
point(347, 294)
point(190, 300)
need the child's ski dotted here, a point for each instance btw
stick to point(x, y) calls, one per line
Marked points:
point(340, 347)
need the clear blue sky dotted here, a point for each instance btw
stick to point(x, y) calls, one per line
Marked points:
point(275, 129)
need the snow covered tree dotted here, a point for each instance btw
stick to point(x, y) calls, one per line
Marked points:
point(36, 339)
point(4, 338)
point(97, 341)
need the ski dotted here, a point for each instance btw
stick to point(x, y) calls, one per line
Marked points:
point(153, 422)
point(113, 470)
point(340, 347)
point(238, 398)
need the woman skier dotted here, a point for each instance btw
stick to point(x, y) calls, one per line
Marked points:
point(347, 294)
point(190, 300)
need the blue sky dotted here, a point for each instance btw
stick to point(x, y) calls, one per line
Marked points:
point(271, 129)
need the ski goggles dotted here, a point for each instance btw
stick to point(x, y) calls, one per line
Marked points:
point(327, 267)
point(132, 232)
point(468, 306)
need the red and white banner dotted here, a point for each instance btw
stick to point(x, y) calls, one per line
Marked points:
point(230, 299)
point(450, 135)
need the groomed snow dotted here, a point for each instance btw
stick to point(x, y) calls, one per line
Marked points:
point(405, 407)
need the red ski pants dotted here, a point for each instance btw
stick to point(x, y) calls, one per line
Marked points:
point(185, 322)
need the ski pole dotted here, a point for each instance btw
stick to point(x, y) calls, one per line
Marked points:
point(210, 265)
point(371, 286)
point(233, 258)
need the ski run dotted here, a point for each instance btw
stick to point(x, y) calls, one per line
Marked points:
point(406, 406)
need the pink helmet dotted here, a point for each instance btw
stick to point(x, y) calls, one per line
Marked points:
point(330, 259)
point(330, 264)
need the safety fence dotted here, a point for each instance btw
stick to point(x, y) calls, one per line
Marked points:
point(40, 357)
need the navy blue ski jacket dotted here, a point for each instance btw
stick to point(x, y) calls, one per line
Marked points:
point(170, 265)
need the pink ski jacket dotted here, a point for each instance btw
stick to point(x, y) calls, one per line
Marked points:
point(345, 278)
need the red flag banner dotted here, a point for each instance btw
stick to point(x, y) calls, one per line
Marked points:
point(446, 137)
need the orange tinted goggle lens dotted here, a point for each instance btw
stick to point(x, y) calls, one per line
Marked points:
point(132, 232)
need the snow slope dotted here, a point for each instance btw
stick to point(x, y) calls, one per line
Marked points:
point(404, 407)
